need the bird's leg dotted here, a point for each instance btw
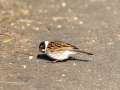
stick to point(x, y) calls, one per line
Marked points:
point(54, 61)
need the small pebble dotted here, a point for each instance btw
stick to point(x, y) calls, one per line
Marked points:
point(80, 22)
point(30, 57)
point(25, 49)
point(12, 24)
point(24, 66)
point(74, 64)
point(109, 43)
point(93, 40)
point(36, 28)
point(59, 26)
point(89, 70)
point(63, 4)
point(75, 18)
point(63, 75)
point(23, 27)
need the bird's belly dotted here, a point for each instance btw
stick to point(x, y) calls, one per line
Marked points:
point(59, 55)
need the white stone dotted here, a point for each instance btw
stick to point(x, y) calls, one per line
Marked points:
point(30, 57)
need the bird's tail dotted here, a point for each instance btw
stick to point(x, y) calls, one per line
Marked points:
point(84, 52)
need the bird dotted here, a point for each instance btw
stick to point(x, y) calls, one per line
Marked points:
point(59, 50)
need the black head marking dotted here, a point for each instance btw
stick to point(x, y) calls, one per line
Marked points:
point(42, 47)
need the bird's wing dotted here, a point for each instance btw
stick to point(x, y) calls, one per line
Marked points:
point(60, 46)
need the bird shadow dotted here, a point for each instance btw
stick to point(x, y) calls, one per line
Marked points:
point(45, 57)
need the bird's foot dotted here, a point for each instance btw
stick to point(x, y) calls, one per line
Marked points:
point(53, 61)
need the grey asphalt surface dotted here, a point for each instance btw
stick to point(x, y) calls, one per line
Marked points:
point(90, 25)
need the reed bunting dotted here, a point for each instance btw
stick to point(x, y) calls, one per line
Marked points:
point(59, 50)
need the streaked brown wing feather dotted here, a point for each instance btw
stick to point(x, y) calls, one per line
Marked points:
point(60, 46)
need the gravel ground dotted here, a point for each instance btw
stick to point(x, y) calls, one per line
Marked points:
point(91, 25)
